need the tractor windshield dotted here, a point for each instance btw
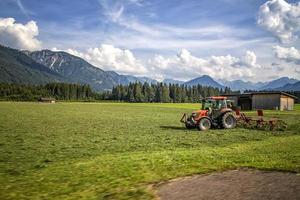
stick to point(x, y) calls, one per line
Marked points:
point(206, 104)
point(220, 104)
point(214, 104)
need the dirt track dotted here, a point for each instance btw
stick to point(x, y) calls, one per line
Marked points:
point(233, 184)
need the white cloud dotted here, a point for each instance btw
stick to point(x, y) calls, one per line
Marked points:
point(21, 7)
point(18, 35)
point(224, 60)
point(288, 54)
point(108, 57)
point(281, 19)
point(137, 2)
point(115, 14)
point(182, 66)
point(169, 44)
point(250, 59)
point(25, 11)
point(185, 66)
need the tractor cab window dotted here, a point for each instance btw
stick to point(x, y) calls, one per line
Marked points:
point(215, 104)
point(223, 103)
point(206, 105)
point(218, 104)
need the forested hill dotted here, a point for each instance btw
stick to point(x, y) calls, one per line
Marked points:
point(16, 67)
point(75, 69)
point(45, 66)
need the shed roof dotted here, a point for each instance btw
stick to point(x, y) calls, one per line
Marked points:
point(262, 92)
point(47, 99)
point(236, 95)
point(274, 92)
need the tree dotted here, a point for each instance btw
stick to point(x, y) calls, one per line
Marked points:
point(147, 92)
point(165, 94)
point(130, 93)
point(138, 96)
point(158, 92)
point(116, 93)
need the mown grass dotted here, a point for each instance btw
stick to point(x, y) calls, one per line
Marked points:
point(115, 150)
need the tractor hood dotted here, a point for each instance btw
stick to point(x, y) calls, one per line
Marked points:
point(200, 113)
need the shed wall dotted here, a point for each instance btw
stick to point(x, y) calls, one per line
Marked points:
point(234, 99)
point(266, 101)
point(286, 103)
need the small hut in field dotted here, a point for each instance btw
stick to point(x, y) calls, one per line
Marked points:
point(47, 100)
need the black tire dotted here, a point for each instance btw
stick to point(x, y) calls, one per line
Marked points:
point(188, 126)
point(228, 120)
point(204, 124)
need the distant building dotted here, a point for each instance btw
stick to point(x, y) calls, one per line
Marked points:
point(263, 100)
point(47, 100)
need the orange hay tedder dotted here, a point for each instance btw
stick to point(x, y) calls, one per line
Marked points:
point(218, 112)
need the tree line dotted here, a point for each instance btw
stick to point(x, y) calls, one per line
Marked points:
point(60, 91)
point(296, 94)
point(134, 92)
point(160, 92)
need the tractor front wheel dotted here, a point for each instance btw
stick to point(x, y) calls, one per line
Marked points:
point(188, 125)
point(204, 124)
point(228, 120)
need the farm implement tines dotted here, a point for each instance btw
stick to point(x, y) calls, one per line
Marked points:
point(259, 122)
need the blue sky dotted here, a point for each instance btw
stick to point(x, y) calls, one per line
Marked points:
point(162, 39)
point(67, 22)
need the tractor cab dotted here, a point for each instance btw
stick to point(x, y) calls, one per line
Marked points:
point(214, 103)
point(216, 111)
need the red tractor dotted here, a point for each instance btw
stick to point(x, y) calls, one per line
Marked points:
point(216, 112)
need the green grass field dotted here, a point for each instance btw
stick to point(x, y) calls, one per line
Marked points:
point(115, 150)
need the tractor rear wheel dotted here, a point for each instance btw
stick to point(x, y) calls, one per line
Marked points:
point(204, 124)
point(228, 120)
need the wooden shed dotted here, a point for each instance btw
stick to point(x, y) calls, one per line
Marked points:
point(273, 100)
point(263, 100)
point(47, 100)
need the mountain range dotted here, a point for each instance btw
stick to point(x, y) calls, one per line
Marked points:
point(172, 81)
point(284, 84)
point(16, 67)
point(269, 85)
point(44, 66)
point(290, 87)
point(278, 83)
point(242, 85)
point(78, 70)
point(204, 80)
